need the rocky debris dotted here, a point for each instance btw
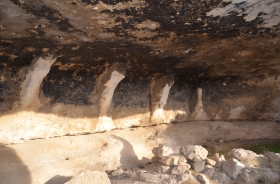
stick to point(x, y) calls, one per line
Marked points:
point(89, 177)
point(163, 169)
point(173, 160)
point(208, 171)
point(249, 158)
point(221, 177)
point(117, 172)
point(198, 166)
point(165, 150)
point(274, 160)
point(147, 177)
point(191, 166)
point(194, 152)
point(232, 167)
point(203, 179)
point(180, 169)
point(210, 161)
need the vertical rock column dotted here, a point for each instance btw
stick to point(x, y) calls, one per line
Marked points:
point(159, 89)
point(199, 113)
point(106, 85)
point(31, 85)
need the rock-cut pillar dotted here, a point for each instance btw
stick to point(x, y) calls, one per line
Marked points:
point(31, 85)
point(106, 85)
point(159, 90)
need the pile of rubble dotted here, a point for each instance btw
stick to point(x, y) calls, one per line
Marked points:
point(190, 165)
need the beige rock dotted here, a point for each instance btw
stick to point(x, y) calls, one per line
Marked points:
point(203, 179)
point(117, 172)
point(198, 166)
point(166, 150)
point(222, 158)
point(173, 160)
point(90, 177)
point(221, 161)
point(249, 158)
point(254, 175)
point(147, 177)
point(274, 160)
point(216, 157)
point(194, 151)
point(191, 180)
point(180, 169)
point(184, 177)
point(210, 161)
point(162, 169)
point(221, 177)
point(208, 171)
point(232, 167)
point(219, 164)
point(133, 176)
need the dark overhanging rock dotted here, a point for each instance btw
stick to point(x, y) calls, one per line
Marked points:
point(227, 60)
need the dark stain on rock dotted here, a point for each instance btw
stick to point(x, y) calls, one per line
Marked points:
point(50, 14)
point(189, 17)
point(69, 86)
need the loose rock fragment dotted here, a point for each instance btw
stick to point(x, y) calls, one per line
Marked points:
point(90, 177)
point(180, 169)
point(147, 177)
point(208, 171)
point(232, 167)
point(117, 172)
point(173, 160)
point(194, 151)
point(203, 179)
point(198, 166)
point(210, 161)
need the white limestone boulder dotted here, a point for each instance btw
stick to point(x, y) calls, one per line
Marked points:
point(180, 169)
point(173, 160)
point(232, 167)
point(249, 158)
point(194, 152)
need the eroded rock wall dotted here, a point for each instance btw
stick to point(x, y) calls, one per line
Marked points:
point(46, 99)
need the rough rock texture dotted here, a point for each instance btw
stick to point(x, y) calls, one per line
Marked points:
point(38, 161)
point(232, 167)
point(89, 177)
point(79, 67)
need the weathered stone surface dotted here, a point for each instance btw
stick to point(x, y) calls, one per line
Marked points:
point(221, 177)
point(208, 171)
point(147, 177)
point(173, 160)
point(166, 150)
point(198, 166)
point(131, 147)
point(255, 175)
point(210, 161)
point(274, 160)
point(249, 158)
point(180, 169)
point(216, 157)
point(89, 177)
point(174, 54)
point(203, 179)
point(117, 172)
point(163, 169)
point(181, 178)
point(194, 152)
point(232, 167)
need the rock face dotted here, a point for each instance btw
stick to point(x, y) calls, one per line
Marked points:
point(92, 66)
point(231, 171)
point(89, 177)
point(232, 167)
